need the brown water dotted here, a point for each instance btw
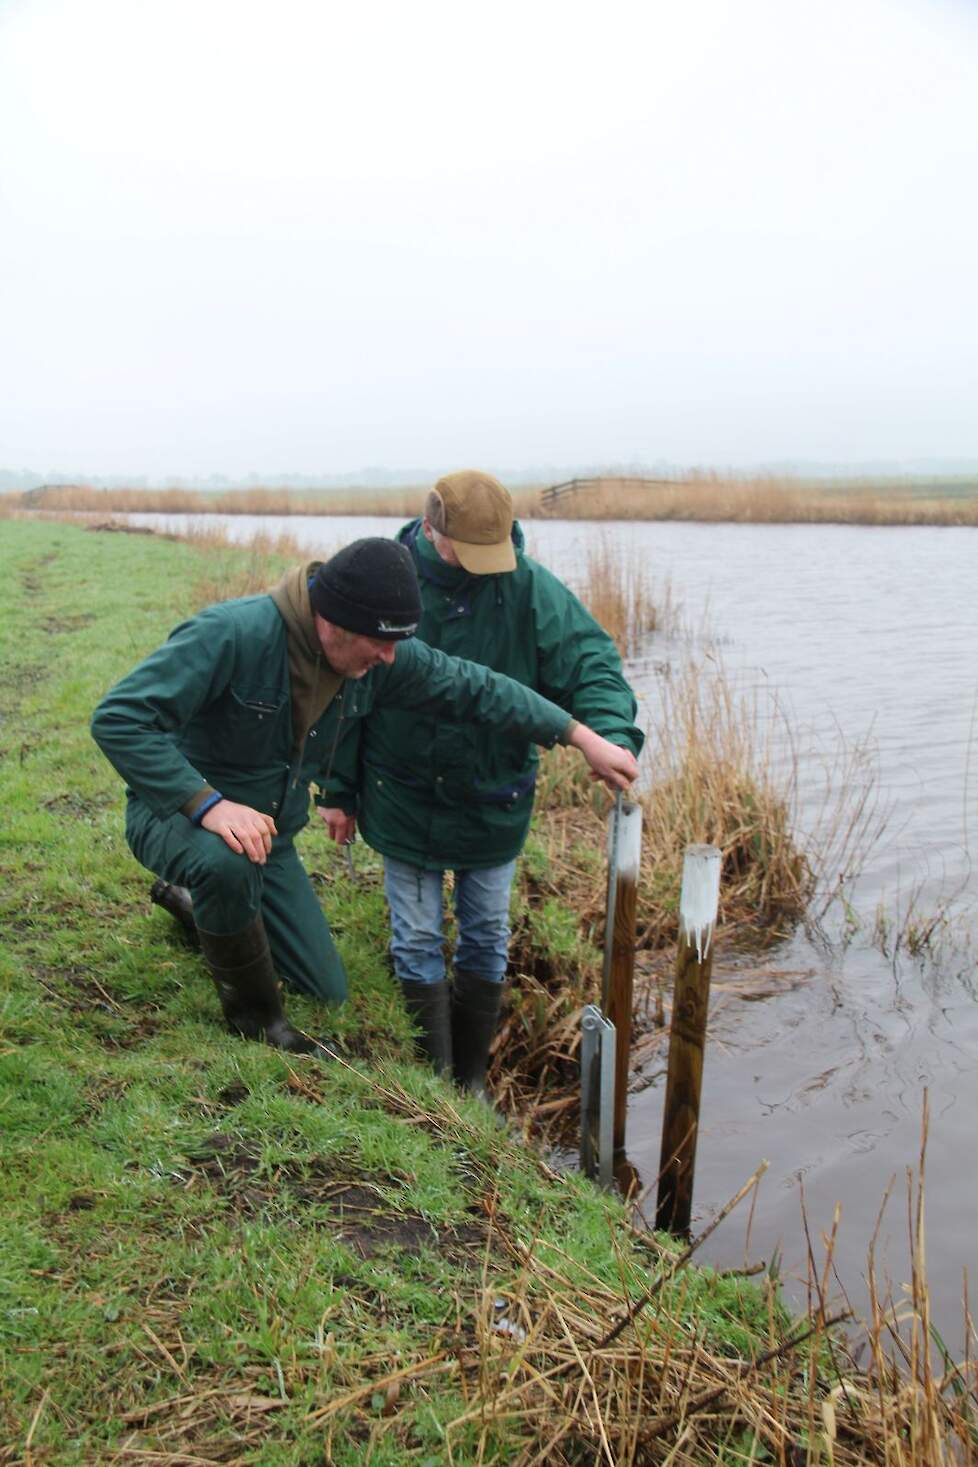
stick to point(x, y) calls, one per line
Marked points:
point(856, 632)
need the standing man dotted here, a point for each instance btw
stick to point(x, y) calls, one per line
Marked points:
point(220, 732)
point(434, 794)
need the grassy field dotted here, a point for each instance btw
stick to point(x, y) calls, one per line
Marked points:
point(210, 1253)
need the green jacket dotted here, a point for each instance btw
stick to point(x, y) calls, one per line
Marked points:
point(212, 707)
point(441, 794)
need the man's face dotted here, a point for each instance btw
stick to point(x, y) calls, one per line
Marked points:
point(349, 653)
point(441, 543)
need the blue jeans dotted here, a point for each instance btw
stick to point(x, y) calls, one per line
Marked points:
point(481, 912)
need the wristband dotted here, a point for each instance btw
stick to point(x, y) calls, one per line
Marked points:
point(202, 810)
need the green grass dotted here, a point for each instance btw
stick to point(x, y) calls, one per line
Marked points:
point(188, 1217)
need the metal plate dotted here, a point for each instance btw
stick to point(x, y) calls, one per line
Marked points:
point(597, 1096)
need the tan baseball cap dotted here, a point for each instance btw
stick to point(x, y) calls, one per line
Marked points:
point(475, 512)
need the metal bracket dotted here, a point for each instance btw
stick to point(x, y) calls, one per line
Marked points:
point(597, 1096)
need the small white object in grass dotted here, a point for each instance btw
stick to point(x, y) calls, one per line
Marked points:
point(503, 1325)
point(700, 897)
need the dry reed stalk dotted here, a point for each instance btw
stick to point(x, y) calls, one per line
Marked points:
point(726, 775)
point(229, 572)
point(617, 590)
point(694, 496)
point(717, 784)
point(763, 500)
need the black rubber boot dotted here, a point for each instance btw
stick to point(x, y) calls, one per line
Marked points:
point(241, 966)
point(429, 1008)
point(175, 900)
point(475, 1010)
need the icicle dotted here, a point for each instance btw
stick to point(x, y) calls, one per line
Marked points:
point(700, 897)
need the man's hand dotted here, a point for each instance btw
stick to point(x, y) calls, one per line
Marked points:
point(617, 767)
point(341, 826)
point(246, 831)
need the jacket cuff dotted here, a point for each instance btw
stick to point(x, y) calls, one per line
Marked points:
point(203, 796)
point(568, 733)
point(331, 800)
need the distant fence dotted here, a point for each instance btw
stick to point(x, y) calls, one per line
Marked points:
point(554, 493)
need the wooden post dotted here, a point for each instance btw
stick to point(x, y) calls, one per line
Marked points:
point(698, 905)
point(624, 856)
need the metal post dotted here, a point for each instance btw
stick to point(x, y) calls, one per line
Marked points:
point(698, 905)
point(597, 1093)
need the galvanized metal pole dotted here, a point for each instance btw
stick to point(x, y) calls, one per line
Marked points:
point(597, 1091)
point(698, 905)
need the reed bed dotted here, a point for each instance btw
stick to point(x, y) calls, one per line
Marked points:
point(711, 499)
point(725, 773)
point(619, 592)
point(717, 782)
point(231, 570)
point(697, 496)
point(83, 499)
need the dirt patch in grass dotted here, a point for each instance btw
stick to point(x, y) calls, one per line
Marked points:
point(66, 622)
point(17, 684)
point(360, 1210)
point(75, 987)
point(137, 1031)
point(82, 807)
point(31, 578)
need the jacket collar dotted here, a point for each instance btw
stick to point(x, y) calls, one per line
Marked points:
point(431, 567)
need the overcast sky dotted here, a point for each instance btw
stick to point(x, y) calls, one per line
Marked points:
point(307, 236)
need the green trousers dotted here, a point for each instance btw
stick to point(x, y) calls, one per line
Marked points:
point(229, 891)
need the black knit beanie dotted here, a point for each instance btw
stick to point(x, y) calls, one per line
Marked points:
point(371, 588)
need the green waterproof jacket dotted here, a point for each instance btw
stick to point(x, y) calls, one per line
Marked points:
point(211, 707)
point(441, 794)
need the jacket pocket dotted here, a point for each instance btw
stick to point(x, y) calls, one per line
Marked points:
point(252, 726)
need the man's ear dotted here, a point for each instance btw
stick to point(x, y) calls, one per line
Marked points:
point(426, 526)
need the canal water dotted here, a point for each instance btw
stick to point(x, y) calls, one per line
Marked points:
point(847, 637)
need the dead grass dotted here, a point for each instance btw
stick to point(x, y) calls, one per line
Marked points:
point(619, 593)
point(562, 1367)
point(82, 499)
point(724, 775)
point(229, 570)
point(719, 780)
point(580, 1375)
point(707, 497)
point(712, 499)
